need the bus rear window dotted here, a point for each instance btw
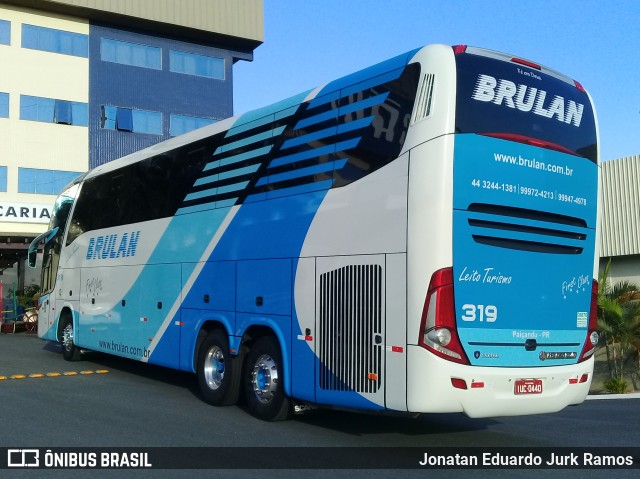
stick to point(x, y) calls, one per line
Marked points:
point(516, 102)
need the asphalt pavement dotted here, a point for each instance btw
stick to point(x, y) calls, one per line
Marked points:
point(24, 355)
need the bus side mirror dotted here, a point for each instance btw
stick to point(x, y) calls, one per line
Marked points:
point(32, 257)
point(33, 247)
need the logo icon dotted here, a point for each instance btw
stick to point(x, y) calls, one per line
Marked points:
point(23, 458)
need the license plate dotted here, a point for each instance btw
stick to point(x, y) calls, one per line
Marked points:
point(528, 386)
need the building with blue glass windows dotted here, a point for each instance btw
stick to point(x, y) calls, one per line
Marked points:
point(87, 81)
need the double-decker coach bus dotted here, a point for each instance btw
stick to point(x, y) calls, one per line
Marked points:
point(415, 237)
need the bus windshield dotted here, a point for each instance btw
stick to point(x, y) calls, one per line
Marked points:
point(523, 103)
point(62, 207)
point(53, 241)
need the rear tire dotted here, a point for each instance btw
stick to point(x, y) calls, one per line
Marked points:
point(70, 351)
point(264, 381)
point(219, 374)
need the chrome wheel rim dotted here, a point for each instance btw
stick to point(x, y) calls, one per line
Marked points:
point(264, 378)
point(67, 337)
point(214, 367)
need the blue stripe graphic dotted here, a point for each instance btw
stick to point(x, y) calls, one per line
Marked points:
point(299, 173)
point(315, 153)
point(250, 140)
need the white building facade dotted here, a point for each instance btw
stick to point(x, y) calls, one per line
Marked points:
point(86, 81)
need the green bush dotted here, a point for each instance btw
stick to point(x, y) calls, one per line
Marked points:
point(616, 386)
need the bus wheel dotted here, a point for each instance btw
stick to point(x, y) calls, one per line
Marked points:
point(264, 381)
point(70, 351)
point(218, 373)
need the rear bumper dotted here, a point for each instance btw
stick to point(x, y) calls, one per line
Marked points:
point(429, 387)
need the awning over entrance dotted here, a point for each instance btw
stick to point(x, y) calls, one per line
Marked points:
point(13, 249)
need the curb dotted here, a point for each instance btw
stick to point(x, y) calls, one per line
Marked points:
point(614, 396)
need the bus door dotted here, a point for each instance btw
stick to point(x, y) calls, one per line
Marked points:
point(52, 240)
point(50, 260)
point(350, 325)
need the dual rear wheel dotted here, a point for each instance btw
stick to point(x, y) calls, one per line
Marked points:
point(222, 377)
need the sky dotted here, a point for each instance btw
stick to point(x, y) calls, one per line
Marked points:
point(308, 43)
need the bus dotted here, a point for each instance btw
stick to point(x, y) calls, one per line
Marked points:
point(419, 236)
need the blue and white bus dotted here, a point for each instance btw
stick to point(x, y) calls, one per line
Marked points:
point(418, 236)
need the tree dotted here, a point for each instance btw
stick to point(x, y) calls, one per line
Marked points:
point(618, 324)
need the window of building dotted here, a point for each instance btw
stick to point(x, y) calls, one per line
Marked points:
point(128, 119)
point(49, 110)
point(56, 41)
point(181, 124)
point(5, 32)
point(124, 119)
point(44, 182)
point(4, 105)
point(127, 53)
point(3, 178)
point(194, 64)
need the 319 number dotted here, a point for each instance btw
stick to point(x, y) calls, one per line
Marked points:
point(480, 312)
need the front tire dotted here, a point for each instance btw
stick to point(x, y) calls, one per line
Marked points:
point(70, 351)
point(219, 374)
point(264, 381)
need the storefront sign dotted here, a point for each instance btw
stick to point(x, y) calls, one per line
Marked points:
point(11, 212)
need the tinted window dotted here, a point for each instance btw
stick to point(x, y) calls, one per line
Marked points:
point(5, 32)
point(181, 124)
point(56, 41)
point(136, 121)
point(44, 182)
point(198, 65)
point(133, 54)
point(53, 111)
point(4, 105)
point(147, 190)
point(500, 97)
point(3, 178)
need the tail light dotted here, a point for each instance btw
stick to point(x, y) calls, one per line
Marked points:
point(527, 140)
point(459, 49)
point(438, 331)
point(592, 335)
point(526, 63)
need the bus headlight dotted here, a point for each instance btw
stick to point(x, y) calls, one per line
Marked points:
point(594, 338)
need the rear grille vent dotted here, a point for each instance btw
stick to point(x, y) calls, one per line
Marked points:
point(527, 229)
point(526, 214)
point(351, 329)
point(552, 233)
point(425, 97)
point(532, 246)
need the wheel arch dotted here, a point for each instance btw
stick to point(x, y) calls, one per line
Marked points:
point(66, 312)
point(206, 327)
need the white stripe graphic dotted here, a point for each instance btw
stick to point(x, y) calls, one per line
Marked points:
point(192, 279)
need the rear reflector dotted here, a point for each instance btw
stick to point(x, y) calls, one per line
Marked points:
point(459, 383)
